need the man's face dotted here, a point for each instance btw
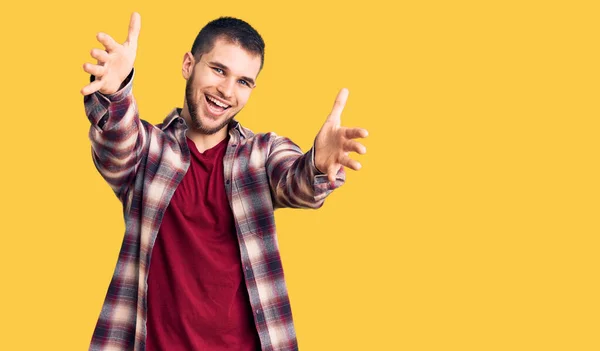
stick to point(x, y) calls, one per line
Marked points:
point(220, 85)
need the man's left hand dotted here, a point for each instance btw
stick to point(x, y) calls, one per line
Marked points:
point(334, 142)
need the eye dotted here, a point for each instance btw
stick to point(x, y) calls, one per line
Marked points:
point(243, 82)
point(218, 70)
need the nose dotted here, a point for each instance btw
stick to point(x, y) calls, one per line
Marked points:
point(226, 88)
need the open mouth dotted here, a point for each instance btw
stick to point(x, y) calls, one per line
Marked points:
point(215, 106)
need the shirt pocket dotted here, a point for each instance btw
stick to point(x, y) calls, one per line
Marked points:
point(255, 197)
point(253, 180)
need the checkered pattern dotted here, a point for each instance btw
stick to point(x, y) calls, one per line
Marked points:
point(144, 163)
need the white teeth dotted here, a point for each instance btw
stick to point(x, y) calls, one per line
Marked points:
point(218, 103)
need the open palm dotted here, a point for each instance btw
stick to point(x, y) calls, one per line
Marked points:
point(115, 62)
point(334, 142)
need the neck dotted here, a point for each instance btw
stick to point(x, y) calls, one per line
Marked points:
point(203, 141)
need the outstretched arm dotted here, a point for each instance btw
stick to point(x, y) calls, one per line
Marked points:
point(117, 135)
point(304, 180)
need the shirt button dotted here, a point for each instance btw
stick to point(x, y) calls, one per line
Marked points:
point(227, 181)
point(257, 311)
point(180, 121)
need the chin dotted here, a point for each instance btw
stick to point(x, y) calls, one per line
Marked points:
point(207, 125)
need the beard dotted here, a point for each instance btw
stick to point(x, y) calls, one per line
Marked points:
point(193, 109)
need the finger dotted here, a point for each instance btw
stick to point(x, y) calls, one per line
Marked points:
point(92, 87)
point(332, 172)
point(350, 163)
point(134, 29)
point(353, 133)
point(109, 43)
point(353, 145)
point(95, 70)
point(100, 55)
point(338, 106)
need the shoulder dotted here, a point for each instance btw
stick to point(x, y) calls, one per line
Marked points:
point(250, 138)
point(264, 142)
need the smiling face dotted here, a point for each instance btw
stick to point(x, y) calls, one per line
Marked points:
point(218, 85)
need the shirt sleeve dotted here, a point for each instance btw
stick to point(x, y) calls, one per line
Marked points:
point(294, 179)
point(117, 135)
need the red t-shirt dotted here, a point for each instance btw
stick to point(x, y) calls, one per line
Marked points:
point(197, 297)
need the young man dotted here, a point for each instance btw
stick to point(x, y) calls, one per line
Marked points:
point(198, 194)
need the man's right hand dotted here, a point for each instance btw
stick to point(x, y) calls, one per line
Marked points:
point(115, 63)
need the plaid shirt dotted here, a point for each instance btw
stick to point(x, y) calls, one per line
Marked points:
point(144, 163)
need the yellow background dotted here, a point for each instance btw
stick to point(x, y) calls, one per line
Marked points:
point(473, 225)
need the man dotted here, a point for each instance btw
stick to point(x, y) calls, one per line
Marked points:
point(198, 194)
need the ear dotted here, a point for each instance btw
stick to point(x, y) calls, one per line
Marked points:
point(188, 65)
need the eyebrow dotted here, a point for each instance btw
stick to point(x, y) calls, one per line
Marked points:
point(225, 68)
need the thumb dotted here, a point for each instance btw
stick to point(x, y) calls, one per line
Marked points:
point(134, 29)
point(338, 107)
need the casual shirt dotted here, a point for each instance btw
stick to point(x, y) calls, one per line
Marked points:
point(197, 296)
point(144, 164)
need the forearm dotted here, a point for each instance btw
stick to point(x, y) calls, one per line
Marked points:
point(116, 134)
point(295, 181)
